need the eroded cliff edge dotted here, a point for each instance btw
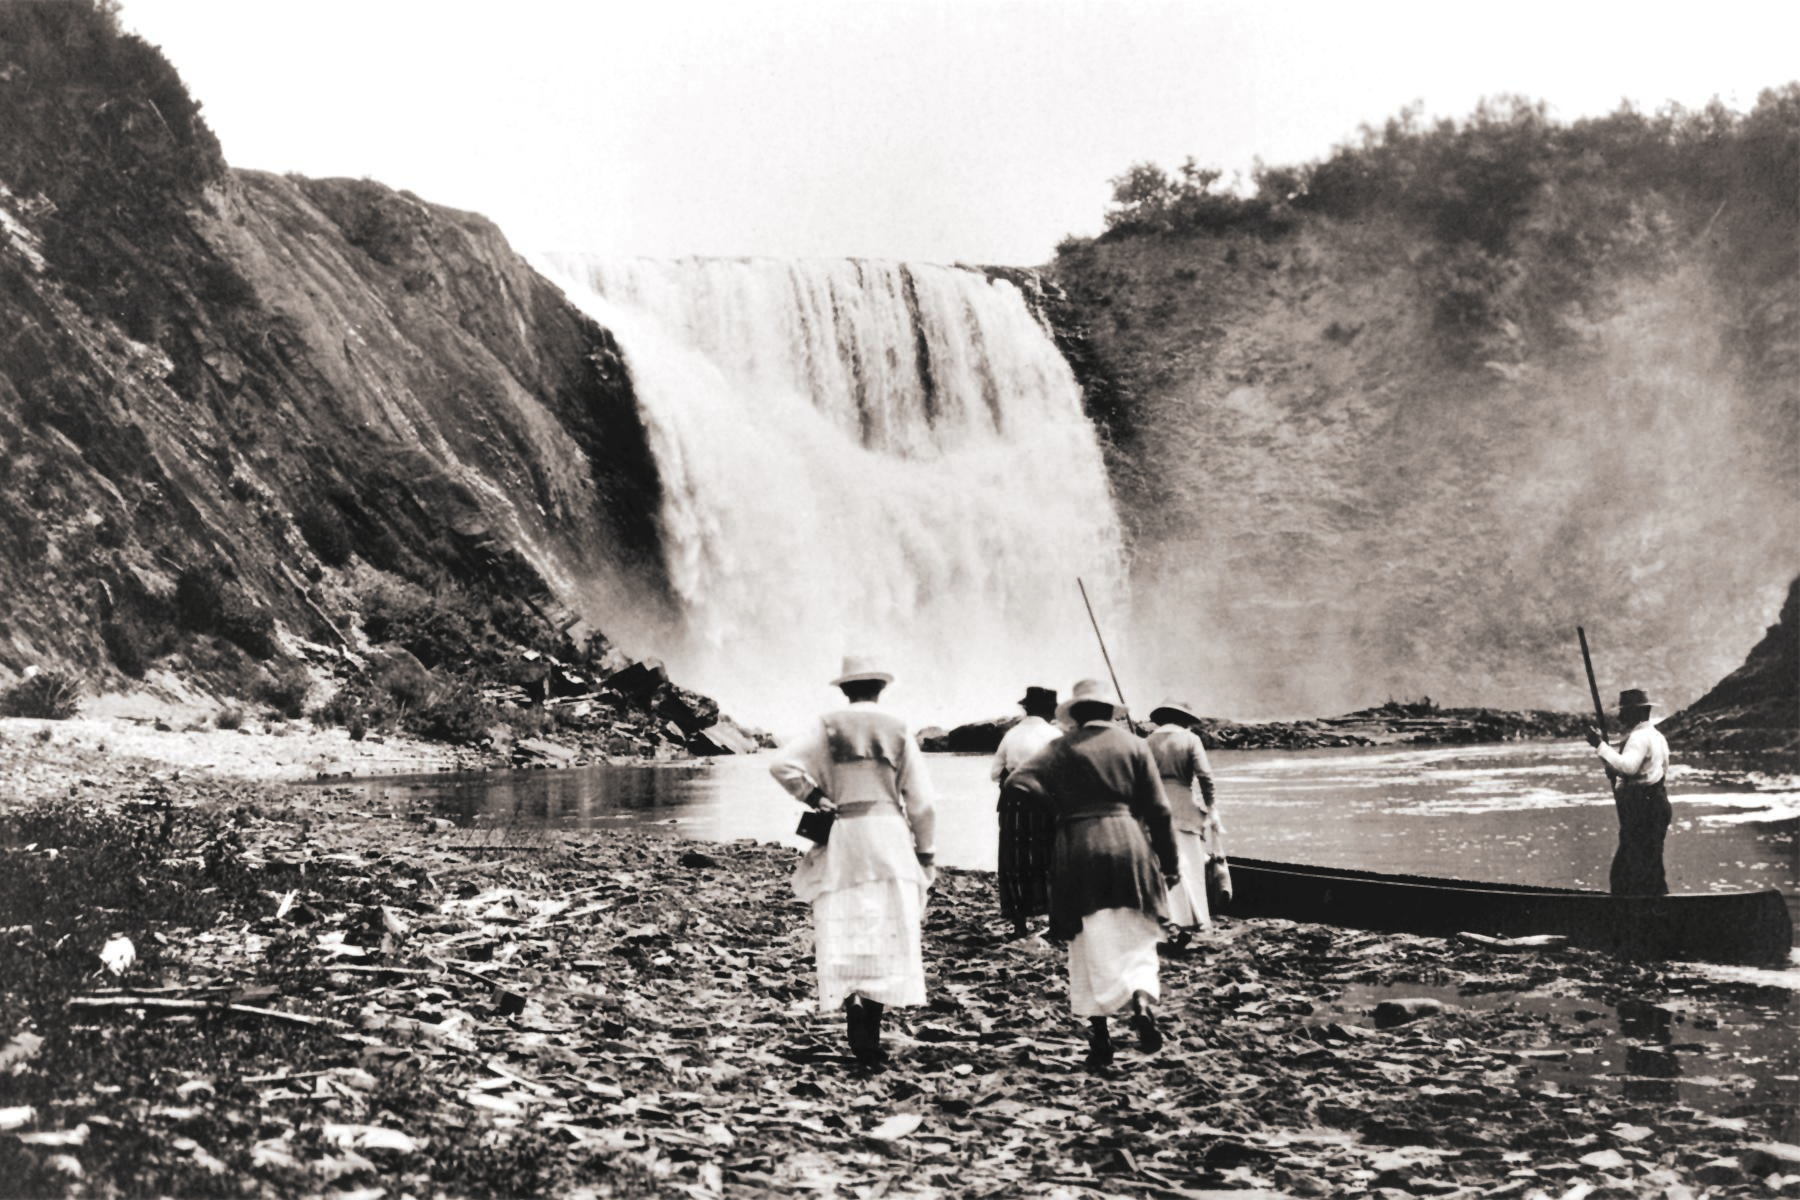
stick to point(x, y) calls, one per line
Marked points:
point(233, 405)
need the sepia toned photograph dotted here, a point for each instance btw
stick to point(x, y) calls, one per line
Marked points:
point(876, 599)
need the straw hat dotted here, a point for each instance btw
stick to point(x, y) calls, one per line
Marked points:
point(858, 667)
point(1088, 691)
point(1173, 712)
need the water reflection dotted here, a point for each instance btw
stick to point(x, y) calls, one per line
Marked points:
point(1522, 813)
point(1644, 1051)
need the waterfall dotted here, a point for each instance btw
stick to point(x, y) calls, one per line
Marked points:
point(861, 457)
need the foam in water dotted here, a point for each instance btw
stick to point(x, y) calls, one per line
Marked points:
point(861, 457)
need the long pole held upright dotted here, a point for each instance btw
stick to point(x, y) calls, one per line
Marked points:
point(1117, 690)
point(1587, 660)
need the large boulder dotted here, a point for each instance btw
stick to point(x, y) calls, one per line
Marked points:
point(978, 737)
point(721, 738)
point(639, 681)
point(686, 708)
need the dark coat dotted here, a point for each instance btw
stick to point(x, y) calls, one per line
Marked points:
point(1114, 839)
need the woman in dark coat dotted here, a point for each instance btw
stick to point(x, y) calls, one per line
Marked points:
point(1113, 856)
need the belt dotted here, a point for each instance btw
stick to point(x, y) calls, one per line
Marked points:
point(862, 808)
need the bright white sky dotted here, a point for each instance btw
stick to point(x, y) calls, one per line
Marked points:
point(942, 130)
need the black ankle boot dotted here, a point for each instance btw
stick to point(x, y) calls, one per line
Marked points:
point(871, 1054)
point(1100, 1046)
point(1143, 1020)
point(855, 1024)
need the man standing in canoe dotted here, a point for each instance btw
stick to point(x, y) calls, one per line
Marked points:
point(1187, 784)
point(1113, 855)
point(867, 880)
point(1026, 829)
point(1640, 797)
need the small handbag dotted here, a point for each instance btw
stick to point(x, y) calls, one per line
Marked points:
point(1218, 882)
point(815, 825)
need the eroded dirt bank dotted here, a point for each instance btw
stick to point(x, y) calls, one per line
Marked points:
point(331, 1000)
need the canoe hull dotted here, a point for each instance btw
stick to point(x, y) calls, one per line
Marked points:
point(1726, 927)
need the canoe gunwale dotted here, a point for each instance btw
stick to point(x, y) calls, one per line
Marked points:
point(1726, 927)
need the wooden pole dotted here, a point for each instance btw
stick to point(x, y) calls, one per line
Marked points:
point(1587, 660)
point(1117, 690)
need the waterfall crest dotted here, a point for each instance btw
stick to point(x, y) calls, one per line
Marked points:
point(861, 457)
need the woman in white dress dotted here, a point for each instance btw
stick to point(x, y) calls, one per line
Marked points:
point(867, 881)
point(1188, 785)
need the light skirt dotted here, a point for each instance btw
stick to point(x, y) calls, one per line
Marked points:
point(1113, 957)
point(1187, 898)
point(866, 941)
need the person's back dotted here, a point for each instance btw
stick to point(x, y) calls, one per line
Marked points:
point(1022, 851)
point(1187, 783)
point(1182, 765)
point(867, 880)
point(1101, 769)
point(869, 753)
point(1107, 893)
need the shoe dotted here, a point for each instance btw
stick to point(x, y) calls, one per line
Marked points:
point(862, 1020)
point(1143, 1021)
point(856, 1025)
point(1100, 1046)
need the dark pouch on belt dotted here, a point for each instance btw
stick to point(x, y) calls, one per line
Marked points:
point(816, 825)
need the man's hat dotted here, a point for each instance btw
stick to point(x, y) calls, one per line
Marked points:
point(1634, 698)
point(859, 667)
point(1176, 712)
point(1038, 698)
point(1088, 691)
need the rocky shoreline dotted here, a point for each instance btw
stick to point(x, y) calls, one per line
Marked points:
point(1395, 723)
point(331, 1000)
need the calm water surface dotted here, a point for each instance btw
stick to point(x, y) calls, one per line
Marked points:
point(1520, 812)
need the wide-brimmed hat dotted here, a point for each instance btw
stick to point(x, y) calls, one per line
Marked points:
point(1038, 698)
point(1088, 691)
point(1634, 698)
point(859, 667)
point(1173, 712)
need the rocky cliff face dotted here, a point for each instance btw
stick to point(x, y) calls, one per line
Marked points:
point(1757, 706)
point(1333, 499)
point(229, 400)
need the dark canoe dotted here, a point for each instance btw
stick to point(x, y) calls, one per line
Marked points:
point(1723, 927)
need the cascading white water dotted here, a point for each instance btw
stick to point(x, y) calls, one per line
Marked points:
point(861, 457)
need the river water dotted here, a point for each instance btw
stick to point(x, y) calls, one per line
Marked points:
point(1523, 812)
point(1535, 812)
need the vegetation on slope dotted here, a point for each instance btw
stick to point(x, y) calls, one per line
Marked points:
point(238, 412)
point(1396, 421)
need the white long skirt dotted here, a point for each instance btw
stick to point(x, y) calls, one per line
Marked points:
point(1187, 899)
point(866, 941)
point(1111, 959)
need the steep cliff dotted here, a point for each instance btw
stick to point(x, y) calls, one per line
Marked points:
point(1402, 422)
point(235, 407)
point(1757, 706)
